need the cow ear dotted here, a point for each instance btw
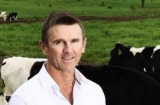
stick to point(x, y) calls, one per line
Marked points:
point(119, 48)
point(119, 51)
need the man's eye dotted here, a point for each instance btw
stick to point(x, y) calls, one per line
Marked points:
point(59, 42)
point(75, 40)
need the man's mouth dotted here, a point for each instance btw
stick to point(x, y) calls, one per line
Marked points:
point(67, 58)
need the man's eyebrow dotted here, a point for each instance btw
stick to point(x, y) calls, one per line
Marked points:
point(60, 39)
point(76, 39)
point(57, 40)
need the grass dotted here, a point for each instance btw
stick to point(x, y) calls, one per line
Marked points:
point(41, 9)
point(22, 39)
point(102, 37)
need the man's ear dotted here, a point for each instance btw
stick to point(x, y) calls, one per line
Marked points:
point(43, 47)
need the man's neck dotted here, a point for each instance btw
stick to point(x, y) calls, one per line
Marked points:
point(65, 81)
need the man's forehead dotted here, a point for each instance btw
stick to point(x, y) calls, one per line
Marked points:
point(66, 32)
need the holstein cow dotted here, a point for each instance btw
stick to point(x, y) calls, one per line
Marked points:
point(12, 16)
point(122, 86)
point(3, 15)
point(144, 59)
point(15, 71)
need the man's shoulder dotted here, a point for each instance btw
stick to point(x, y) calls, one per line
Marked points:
point(27, 87)
point(91, 85)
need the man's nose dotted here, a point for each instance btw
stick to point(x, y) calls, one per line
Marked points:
point(67, 47)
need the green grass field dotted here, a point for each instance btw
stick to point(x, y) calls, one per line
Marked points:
point(41, 9)
point(21, 39)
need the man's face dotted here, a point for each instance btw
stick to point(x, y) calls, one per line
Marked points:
point(65, 46)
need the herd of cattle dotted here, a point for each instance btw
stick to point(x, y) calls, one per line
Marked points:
point(4, 16)
point(131, 77)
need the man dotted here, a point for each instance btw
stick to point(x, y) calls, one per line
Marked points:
point(59, 82)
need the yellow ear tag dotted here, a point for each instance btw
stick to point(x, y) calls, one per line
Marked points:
point(119, 52)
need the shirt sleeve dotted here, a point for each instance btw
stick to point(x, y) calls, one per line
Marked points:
point(16, 100)
point(102, 97)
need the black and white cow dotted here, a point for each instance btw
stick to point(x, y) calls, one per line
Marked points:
point(15, 71)
point(144, 59)
point(3, 15)
point(12, 16)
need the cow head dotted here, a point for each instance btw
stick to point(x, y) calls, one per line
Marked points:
point(123, 56)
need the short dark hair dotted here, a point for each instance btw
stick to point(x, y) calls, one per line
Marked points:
point(57, 18)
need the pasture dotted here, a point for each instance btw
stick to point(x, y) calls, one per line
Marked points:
point(41, 9)
point(21, 39)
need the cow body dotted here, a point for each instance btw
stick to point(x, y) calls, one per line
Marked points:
point(2, 100)
point(3, 15)
point(144, 59)
point(12, 16)
point(16, 71)
point(123, 86)
point(156, 62)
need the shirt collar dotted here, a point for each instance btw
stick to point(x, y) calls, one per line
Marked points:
point(48, 82)
point(80, 78)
